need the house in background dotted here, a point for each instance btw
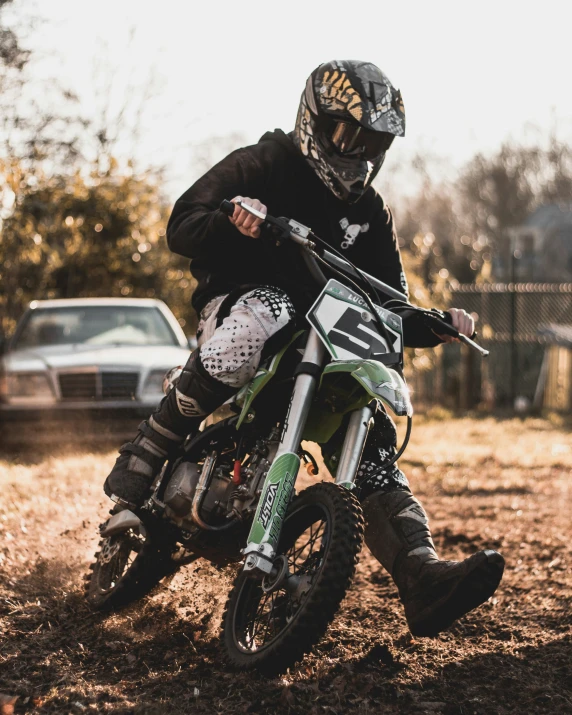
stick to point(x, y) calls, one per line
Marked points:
point(542, 247)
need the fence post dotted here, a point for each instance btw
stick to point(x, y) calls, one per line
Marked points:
point(466, 381)
point(438, 376)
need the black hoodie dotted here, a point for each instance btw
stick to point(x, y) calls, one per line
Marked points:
point(275, 173)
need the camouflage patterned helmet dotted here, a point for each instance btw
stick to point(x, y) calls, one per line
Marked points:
point(348, 117)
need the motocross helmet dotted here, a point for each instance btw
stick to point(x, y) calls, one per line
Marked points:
point(348, 117)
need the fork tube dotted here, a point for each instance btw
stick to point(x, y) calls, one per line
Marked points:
point(304, 389)
point(264, 534)
point(352, 449)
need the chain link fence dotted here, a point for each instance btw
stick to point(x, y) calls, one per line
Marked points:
point(510, 317)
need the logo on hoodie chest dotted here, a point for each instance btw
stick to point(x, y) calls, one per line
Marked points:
point(352, 231)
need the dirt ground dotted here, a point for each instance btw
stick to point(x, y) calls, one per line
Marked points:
point(484, 483)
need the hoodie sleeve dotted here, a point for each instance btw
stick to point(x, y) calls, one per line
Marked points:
point(197, 228)
point(417, 335)
point(387, 266)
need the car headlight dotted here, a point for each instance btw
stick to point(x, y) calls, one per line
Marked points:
point(154, 383)
point(27, 384)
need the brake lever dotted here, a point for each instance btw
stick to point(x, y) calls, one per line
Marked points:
point(250, 210)
point(472, 344)
point(227, 207)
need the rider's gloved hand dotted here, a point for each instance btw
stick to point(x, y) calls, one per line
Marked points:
point(246, 223)
point(462, 321)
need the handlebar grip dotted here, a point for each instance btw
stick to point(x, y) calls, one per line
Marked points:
point(438, 324)
point(448, 329)
point(227, 207)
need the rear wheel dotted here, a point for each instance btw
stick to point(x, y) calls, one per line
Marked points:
point(270, 628)
point(127, 567)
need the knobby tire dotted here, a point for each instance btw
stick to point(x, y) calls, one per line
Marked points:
point(320, 603)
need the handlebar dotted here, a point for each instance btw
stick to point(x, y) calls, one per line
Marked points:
point(447, 329)
point(302, 235)
point(297, 232)
point(227, 207)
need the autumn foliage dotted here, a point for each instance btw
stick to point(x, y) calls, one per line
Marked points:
point(76, 235)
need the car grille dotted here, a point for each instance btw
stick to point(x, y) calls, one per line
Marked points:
point(78, 385)
point(98, 386)
point(118, 385)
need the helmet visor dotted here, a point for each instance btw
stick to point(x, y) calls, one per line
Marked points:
point(353, 139)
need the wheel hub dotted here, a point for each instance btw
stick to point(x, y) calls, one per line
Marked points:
point(298, 586)
point(274, 580)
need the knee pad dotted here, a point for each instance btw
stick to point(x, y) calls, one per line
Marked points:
point(195, 394)
point(198, 393)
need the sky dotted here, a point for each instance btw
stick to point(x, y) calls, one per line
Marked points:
point(472, 74)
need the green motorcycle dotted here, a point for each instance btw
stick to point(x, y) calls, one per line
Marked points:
point(229, 495)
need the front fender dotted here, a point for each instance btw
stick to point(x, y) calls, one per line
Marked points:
point(348, 385)
point(380, 382)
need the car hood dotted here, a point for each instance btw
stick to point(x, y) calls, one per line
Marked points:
point(69, 356)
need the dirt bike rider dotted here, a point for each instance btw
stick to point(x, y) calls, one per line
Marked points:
point(250, 291)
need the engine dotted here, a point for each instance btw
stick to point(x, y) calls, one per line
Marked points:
point(182, 488)
point(225, 498)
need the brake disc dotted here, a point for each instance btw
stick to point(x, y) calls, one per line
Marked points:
point(109, 549)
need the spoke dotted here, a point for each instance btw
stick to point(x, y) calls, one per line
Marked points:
point(282, 610)
point(255, 625)
point(313, 536)
point(267, 621)
point(299, 550)
point(272, 614)
point(260, 608)
point(316, 536)
point(309, 543)
point(256, 622)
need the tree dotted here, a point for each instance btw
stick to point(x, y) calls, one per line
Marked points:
point(499, 192)
point(73, 222)
point(70, 236)
point(454, 230)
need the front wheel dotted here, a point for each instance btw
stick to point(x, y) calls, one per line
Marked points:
point(272, 628)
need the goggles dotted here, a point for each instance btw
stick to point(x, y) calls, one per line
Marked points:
point(353, 139)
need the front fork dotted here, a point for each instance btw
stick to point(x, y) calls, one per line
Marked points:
point(264, 535)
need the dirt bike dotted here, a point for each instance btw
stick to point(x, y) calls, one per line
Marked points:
point(228, 495)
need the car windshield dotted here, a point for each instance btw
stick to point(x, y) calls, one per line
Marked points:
point(96, 325)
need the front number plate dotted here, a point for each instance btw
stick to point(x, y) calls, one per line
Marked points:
point(346, 326)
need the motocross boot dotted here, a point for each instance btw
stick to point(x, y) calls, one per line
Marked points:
point(194, 395)
point(434, 593)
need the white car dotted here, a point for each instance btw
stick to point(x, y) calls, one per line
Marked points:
point(73, 361)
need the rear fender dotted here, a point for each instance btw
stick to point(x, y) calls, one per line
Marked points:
point(121, 522)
